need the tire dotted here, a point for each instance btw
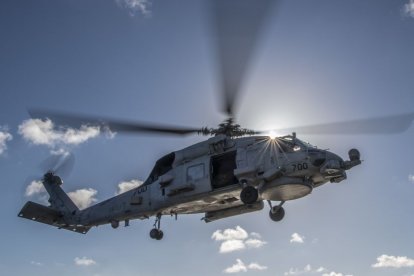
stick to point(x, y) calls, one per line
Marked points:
point(154, 233)
point(160, 234)
point(278, 215)
point(249, 195)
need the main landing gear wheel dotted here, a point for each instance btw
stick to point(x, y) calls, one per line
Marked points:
point(156, 234)
point(277, 213)
point(249, 195)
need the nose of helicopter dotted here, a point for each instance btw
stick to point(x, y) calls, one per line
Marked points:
point(333, 167)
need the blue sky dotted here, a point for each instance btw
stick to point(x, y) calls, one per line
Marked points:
point(319, 61)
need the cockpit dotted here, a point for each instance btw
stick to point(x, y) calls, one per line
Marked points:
point(290, 143)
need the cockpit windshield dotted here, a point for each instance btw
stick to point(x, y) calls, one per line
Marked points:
point(292, 144)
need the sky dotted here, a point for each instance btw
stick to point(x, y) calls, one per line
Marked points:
point(318, 61)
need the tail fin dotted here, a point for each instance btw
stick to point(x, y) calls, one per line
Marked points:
point(62, 212)
point(58, 200)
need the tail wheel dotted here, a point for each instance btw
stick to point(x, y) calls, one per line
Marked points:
point(277, 213)
point(249, 195)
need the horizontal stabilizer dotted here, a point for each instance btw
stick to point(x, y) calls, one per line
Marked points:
point(43, 214)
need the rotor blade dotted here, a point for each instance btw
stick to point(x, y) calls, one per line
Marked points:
point(58, 164)
point(236, 25)
point(379, 125)
point(76, 121)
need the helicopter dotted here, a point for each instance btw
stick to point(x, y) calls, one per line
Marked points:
point(231, 173)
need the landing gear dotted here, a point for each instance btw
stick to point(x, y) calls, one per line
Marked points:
point(156, 233)
point(249, 195)
point(276, 213)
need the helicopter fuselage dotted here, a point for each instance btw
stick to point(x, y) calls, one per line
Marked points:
point(209, 176)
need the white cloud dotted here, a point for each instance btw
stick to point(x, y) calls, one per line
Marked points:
point(255, 243)
point(44, 132)
point(411, 178)
point(239, 266)
point(230, 234)
point(128, 185)
point(296, 238)
point(35, 187)
point(409, 8)
point(256, 266)
point(83, 198)
point(306, 270)
point(393, 261)
point(4, 137)
point(135, 6)
point(84, 261)
point(236, 239)
point(333, 273)
point(231, 245)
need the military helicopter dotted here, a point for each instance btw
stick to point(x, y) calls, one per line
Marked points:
point(229, 174)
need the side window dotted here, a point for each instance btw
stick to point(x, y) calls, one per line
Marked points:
point(195, 172)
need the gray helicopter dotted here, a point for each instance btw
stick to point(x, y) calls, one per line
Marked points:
point(233, 172)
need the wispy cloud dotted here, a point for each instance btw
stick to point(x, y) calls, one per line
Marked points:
point(308, 270)
point(128, 185)
point(135, 6)
point(5, 136)
point(239, 266)
point(411, 178)
point(84, 261)
point(296, 238)
point(83, 198)
point(237, 239)
point(44, 132)
point(409, 8)
point(393, 261)
point(36, 263)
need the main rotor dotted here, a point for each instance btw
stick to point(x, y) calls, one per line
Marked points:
point(236, 26)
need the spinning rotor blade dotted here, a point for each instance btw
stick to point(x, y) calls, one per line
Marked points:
point(76, 121)
point(58, 164)
point(236, 25)
point(378, 125)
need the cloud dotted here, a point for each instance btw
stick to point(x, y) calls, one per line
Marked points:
point(44, 132)
point(296, 238)
point(236, 239)
point(393, 261)
point(409, 8)
point(83, 198)
point(36, 263)
point(306, 270)
point(84, 261)
point(231, 245)
point(35, 187)
point(37, 192)
point(255, 243)
point(333, 273)
point(4, 137)
point(135, 6)
point(411, 178)
point(256, 266)
point(230, 234)
point(128, 185)
point(239, 266)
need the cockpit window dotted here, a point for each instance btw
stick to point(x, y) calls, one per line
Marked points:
point(290, 144)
